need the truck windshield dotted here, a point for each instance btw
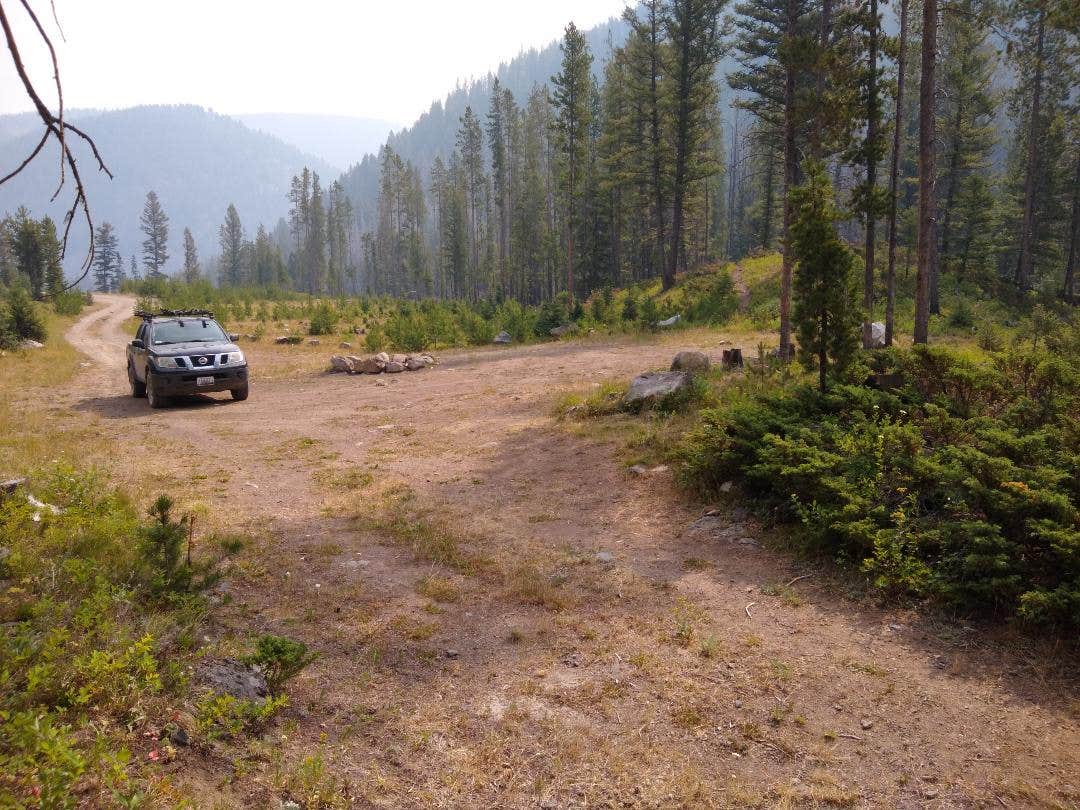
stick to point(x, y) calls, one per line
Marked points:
point(187, 330)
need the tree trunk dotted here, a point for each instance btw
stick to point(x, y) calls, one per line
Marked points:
point(1069, 287)
point(894, 177)
point(871, 177)
point(1025, 263)
point(823, 355)
point(682, 135)
point(790, 158)
point(927, 177)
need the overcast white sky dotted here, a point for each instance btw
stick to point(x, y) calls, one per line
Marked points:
point(384, 59)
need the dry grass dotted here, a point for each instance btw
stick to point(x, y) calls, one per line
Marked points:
point(32, 429)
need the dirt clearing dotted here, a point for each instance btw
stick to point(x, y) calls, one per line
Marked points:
point(506, 618)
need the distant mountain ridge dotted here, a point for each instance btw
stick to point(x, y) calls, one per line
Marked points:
point(340, 140)
point(196, 160)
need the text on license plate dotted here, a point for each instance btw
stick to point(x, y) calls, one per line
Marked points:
point(204, 380)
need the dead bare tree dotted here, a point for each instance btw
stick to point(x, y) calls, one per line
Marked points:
point(54, 127)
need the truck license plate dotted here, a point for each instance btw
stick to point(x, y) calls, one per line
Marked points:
point(204, 380)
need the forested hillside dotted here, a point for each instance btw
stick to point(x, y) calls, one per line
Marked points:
point(435, 132)
point(197, 161)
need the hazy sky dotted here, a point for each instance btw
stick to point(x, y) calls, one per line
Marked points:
point(388, 59)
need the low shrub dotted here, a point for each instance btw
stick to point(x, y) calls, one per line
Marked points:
point(963, 487)
point(280, 659)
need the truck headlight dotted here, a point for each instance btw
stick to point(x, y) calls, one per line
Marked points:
point(166, 362)
point(234, 359)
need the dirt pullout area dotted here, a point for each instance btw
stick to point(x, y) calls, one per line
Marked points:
point(506, 618)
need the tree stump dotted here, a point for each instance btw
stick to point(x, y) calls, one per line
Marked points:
point(732, 358)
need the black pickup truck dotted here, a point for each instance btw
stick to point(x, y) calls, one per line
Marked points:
point(181, 353)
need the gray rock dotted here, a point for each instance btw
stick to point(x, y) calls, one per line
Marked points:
point(12, 484)
point(605, 557)
point(371, 365)
point(229, 676)
point(664, 324)
point(383, 357)
point(691, 361)
point(399, 358)
point(31, 344)
point(344, 345)
point(639, 469)
point(651, 387)
point(394, 367)
point(340, 364)
point(503, 338)
point(726, 486)
point(415, 364)
point(565, 329)
point(314, 342)
point(877, 335)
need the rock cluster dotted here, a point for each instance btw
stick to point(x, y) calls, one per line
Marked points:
point(380, 363)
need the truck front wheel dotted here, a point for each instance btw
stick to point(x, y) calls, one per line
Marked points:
point(240, 394)
point(154, 399)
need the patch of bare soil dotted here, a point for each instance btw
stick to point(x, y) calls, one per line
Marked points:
point(506, 618)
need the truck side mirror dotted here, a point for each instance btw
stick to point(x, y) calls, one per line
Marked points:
point(233, 336)
point(138, 344)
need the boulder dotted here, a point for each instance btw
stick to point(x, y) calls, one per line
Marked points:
point(369, 365)
point(31, 344)
point(394, 367)
point(8, 487)
point(503, 338)
point(691, 361)
point(565, 329)
point(289, 340)
point(653, 386)
point(399, 358)
point(674, 319)
point(877, 335)
point(228, 676)
point(344, 345)
point(339, 363)
point(314, 342)
point(359, 330)
point(417, 362)
point(383, 357)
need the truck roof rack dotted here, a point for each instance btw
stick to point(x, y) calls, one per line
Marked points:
point(173, 313)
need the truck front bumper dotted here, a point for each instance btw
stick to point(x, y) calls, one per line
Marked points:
point(186, 382)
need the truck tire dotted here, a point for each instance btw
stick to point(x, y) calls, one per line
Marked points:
point(240, 394)
point(154, 399)
point(138, 389)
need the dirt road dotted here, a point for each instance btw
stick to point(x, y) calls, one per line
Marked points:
point(538, 628)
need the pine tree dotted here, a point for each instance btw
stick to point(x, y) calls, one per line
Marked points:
point(966, 110)
point(107, 265)
point(693, 29)
point(315, 247)
point(646, 56)
point(894, 173)
point(927, 173)
point(470, 145)
point(191, 272)
point(825, 289)
point(231, 239)
point(777, 58)
point(571, 96)
point(154, 224)
point(52, 256)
